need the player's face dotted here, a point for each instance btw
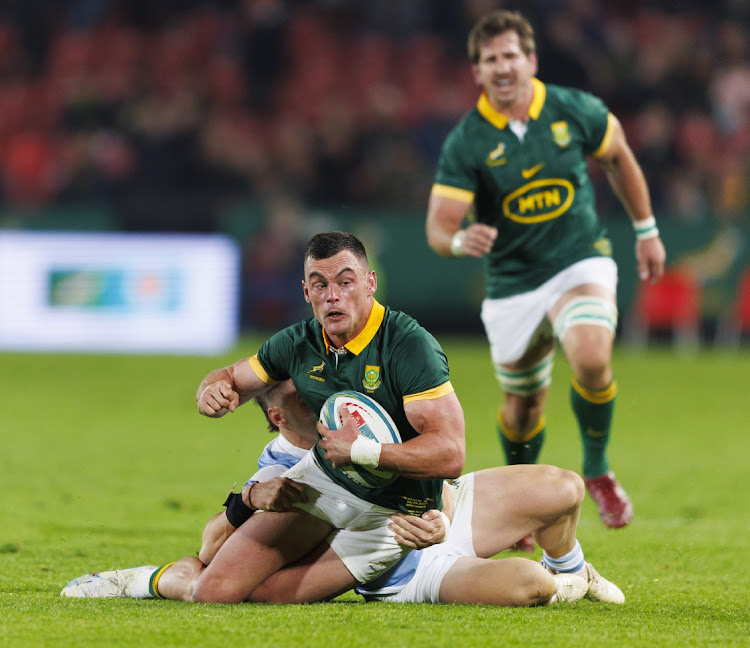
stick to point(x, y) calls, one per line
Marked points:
point(505, 72)
point(340, 292)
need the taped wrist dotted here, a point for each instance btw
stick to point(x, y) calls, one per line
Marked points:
point(366, 452)
point(456, 241)
point(237, 510)
point(447, 525)
point(645, 228)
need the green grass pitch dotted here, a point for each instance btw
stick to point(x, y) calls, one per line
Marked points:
point(105, 463)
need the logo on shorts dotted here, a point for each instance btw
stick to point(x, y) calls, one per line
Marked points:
point(372, 378)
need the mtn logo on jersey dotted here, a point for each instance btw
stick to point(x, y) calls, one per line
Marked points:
point(538, 201)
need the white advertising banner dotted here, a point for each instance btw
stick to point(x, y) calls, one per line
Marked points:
point(132, 293)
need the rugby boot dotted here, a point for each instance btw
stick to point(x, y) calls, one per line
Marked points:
point(612, 502)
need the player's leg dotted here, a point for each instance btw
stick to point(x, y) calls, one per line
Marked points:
point(260, 547)
point(525, 384)
point(319, 576)
point(517, 582)
point(542, 500)
point(176, 582)
point(513, 501)
point(521, 346)
point(585, 319)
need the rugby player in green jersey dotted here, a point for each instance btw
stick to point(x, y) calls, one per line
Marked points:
point(487, 510)
point(516, 165)
point(351, 342)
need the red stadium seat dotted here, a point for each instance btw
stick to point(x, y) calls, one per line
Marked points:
point(671, 306)
point(736, 324)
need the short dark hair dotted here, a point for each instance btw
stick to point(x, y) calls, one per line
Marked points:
point(270, 398)
point(327, 244)
point(496, 23)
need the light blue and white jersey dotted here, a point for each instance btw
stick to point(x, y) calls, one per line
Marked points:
point(277, 457)
point(392, 581)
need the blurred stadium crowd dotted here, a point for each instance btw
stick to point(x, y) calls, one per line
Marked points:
point(169, 109)
point(168, 114)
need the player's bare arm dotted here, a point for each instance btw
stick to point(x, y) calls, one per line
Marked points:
point(628, 182)
point(437, 453)
point(215, 534)
point(224, 390)
point(444, 219)
point(276, 494)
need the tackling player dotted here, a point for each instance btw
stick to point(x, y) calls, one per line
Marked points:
point(490, 509)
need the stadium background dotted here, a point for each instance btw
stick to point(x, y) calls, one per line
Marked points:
point(260, 122)
point(270, 119)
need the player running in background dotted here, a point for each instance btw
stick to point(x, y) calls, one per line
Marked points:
point(490, 509)
point(516, 167)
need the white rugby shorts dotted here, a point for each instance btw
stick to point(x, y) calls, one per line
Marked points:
point(436, 560)
point(513, 323)
point(362, 539)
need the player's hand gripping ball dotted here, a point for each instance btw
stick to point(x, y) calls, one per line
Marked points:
point(373, 423)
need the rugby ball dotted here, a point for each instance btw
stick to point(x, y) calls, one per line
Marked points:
point(373, 422)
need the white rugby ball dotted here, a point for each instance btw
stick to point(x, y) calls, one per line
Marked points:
point(373, 422)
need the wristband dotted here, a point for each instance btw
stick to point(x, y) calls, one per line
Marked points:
point(456, 241)
point(447, 523)
point(645, 229)
point(237, 511)
point(366, 452)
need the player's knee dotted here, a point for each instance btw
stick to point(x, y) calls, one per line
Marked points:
point(566, 486)
point(216, 590)
point(593, 370)
point(537, 585)
point(572, 487)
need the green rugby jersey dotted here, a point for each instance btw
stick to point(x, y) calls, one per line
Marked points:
point(536, 191)
point(393, 360)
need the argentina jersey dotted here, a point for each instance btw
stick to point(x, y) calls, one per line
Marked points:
point(392, 581)
point(277, 457)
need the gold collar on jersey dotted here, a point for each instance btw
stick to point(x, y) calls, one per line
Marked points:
point(365, 336)
point(499, 120)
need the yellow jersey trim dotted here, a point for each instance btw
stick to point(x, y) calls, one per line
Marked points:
point(499, 120)
point(604, 146)
point(464, 195)
point(358, 344)
point(596, 397)
point(260, 371)
point(430, 394)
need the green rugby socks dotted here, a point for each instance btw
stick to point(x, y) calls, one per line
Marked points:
point(594, 410)
point(521, 448)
